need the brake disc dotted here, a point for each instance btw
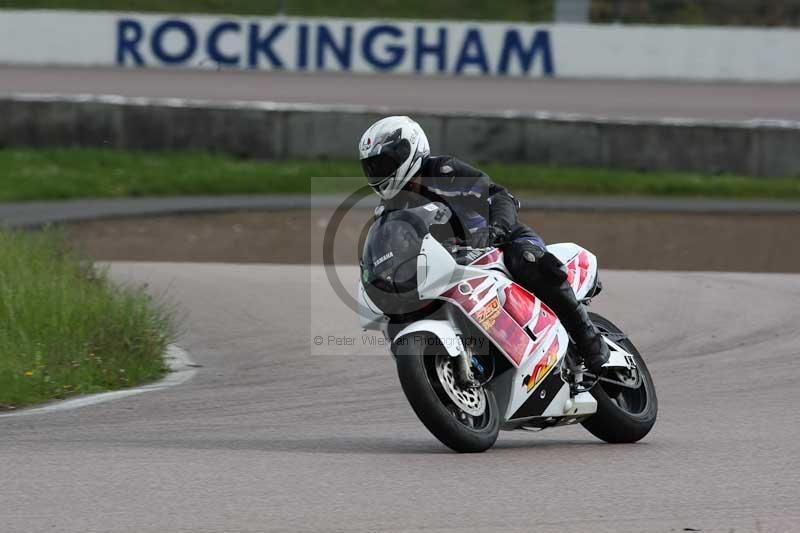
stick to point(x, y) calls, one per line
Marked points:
point(471, 401)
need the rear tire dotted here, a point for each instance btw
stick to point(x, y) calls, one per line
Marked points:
point(623, 416)
point(443, 418)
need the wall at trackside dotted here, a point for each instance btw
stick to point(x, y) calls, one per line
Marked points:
point(279, 131)
point(138, 40)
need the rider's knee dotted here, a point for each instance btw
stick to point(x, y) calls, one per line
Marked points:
point(522, 260)
point(534, 266)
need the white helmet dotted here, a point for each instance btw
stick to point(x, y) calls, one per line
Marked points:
point(391, 152)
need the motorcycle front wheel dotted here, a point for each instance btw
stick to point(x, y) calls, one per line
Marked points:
point(464, 420)
point(623, 414)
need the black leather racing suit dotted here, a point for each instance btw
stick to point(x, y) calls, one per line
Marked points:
point(472, 196)
point(476, 201)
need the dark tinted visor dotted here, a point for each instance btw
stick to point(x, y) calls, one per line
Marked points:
point(385, 164)
point(378, 168)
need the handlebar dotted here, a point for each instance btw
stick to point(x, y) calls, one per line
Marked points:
point(463, 253)
point(454, 244)
point(453, 241)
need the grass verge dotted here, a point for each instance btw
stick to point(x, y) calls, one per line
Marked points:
point(65, 329)
point(27, 174)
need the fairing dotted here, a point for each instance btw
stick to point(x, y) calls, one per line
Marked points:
point(521, 327)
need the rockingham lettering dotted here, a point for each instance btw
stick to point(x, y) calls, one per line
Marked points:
point(335, 45)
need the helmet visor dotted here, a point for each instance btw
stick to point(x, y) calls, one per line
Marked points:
point(382, 166)
point(378, 168)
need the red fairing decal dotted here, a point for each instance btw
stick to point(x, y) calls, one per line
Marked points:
point(578, 267)
point(487, 315)
point(509, 336)
point(546, 320)
point(491, 257)
point(584, 264)
point(481, 295)
point(519, 304)
point(464, 300)
point(543, 366)
point(584, 259)
point(506, 325)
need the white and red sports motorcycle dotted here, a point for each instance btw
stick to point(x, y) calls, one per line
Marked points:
point(455, 320)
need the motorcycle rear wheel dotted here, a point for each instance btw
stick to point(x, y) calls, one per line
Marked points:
point(623, 415)
point(424, 387)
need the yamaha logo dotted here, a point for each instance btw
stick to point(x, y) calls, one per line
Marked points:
point(382, 258)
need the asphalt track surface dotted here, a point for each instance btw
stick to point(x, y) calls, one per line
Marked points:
point(275, 433)
point(643, 99)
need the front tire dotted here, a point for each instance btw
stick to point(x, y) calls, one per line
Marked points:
point(623, 415)
point(424, 386)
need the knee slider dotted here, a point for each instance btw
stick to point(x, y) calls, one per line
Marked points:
point(523, 261)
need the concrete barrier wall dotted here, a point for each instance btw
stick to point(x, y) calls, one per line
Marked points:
point(287, 131)
point(379, 46)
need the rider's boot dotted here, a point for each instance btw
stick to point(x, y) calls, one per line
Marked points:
point(590, 344)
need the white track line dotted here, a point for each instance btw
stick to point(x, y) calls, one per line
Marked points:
point(181, 367)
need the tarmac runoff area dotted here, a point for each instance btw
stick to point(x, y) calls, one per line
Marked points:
point(277, 433)
point(274, 433)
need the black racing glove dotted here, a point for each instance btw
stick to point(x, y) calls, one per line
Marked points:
point(487, 236)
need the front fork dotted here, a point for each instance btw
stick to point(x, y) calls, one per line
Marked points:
point(462, 366)
point(462, 363)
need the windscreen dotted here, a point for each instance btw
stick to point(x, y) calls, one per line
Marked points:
point(390, 243)
point(389, 261)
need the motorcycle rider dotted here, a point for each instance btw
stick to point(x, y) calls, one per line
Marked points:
point(395, 156)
